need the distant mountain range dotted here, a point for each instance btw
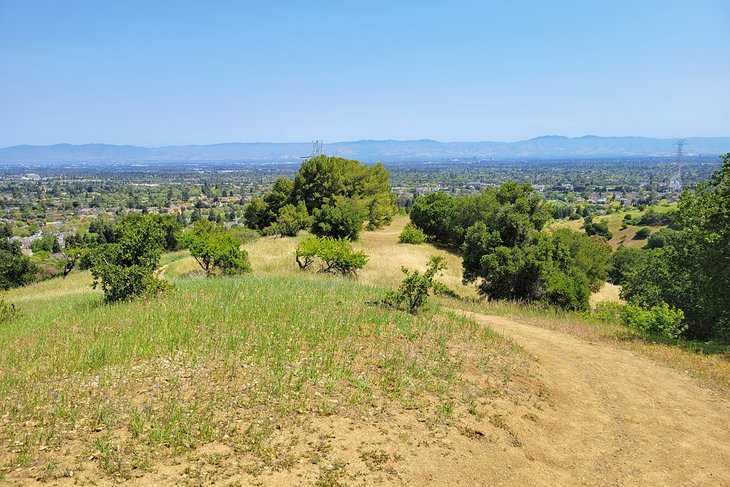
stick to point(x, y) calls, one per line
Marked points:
point(546, 147)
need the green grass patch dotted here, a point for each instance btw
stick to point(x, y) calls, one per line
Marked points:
point(217, 359)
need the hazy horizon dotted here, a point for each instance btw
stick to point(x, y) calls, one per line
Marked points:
point(189, 73)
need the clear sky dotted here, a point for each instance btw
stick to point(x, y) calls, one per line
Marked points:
point(159, 72)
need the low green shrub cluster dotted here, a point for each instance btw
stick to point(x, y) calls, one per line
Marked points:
point(335, 255)
point(411, 234)
point(7, 311)
point(660, 320)
point(413, 291)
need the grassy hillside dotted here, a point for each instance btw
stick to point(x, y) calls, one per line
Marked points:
point(240, 378)
point(624, 237)
point(279, 377)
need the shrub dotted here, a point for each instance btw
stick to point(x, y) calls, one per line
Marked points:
point(643, 233)
point(411, 234)
point(660, 320)
point(608, 312)
point(125, 269)
point(335, 255)
point(7, 311)
point(381, 210)
point(212, 247)
point(597, 228)
point(413, 291)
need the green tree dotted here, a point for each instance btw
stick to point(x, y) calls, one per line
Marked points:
point(597, 228)
point(336, 255)
point(16, 269)
point(433, 213)
point(125, 269)
point(380, 211)
point(47, 243)
point(339, 218)
point(323, 178)
point(690, 272)
point(257, 214)
point(592, 255)
point(290, 220)
point(212, 247)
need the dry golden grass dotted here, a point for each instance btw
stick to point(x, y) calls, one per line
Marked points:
point(275, 256)
point(387, 256)
point(609, 293)
point(76, 284)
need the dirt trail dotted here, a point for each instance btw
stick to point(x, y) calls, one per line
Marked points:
point(617, 418)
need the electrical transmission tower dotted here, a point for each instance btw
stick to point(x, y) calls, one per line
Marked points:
point(316, 149)
point(676, 182)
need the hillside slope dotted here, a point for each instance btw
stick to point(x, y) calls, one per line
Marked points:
point(284, 378)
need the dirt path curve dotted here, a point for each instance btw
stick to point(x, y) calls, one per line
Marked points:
point(617, 418)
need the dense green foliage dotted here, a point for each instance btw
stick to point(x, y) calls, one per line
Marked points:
point(689, 271)
point(335, 255)
point(512, 207)
point(340, 217)
point(623, 262)
point(411, 234)
point(290, 220)
point(16, 269)
point(322, 178)
point(591, 255)
point(505, 250)
point(339, 194)
point(599, 228)
point(125, 268)
point(213, 247)
point(643, 233)
point(413, 291)
point(47, 243)
point(659, 320)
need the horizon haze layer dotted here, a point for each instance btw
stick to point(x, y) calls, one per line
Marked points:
point(549, 146)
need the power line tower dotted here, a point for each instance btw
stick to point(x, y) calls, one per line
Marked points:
point(316, 149)
point(675, 184)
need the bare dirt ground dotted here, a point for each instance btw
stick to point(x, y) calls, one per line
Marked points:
point(616, 418)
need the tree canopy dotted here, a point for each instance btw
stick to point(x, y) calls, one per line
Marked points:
point(689, 270)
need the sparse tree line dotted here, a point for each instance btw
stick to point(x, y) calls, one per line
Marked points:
point(677, 285)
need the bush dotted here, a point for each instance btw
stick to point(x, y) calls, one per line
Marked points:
point(125, 269)
point(411, 234)
point(643, 233)
point(660, 320)
point(608, 312)
point(381, 210)
point(16, 269)
point(335, 255)
point(597, 228)
point(213, 247)
point(7, 311)
point(413, 291)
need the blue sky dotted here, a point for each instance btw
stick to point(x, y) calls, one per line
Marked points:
point(161, 72)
